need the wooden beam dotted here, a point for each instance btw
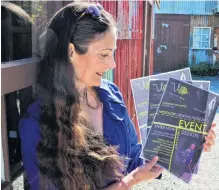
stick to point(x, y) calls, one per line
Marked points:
point(5, 140)
point(20, 74)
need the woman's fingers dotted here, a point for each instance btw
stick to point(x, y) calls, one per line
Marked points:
point(210, 139)
point(157, 169)
point(154, 169)
point(213, 125)
point(151, 163)
point(207, 148)
point(212, 134)
point(208, 144)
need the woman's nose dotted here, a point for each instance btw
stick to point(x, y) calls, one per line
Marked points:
point(112, 64)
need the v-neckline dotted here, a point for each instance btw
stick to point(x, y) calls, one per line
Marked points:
point(95, 116)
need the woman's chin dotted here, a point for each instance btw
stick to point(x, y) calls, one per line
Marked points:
point(97, 83)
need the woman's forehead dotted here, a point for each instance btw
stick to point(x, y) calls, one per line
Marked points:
point(108, 41)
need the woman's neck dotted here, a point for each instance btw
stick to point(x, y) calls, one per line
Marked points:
point(88, 95)
point(81, 87)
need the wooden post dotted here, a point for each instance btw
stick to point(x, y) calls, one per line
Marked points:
point(5, 143)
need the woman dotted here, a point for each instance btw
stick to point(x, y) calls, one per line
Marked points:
point(78, 134)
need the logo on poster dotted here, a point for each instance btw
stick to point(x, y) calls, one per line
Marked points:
point(183, 90)
point(162, 87)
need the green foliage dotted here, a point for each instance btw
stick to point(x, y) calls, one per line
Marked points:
point(182, 65)
point(33, 8)
point(37, 10)
point(202, 69)
point(205, 69)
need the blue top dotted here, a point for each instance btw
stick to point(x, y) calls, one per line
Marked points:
point(118, 129)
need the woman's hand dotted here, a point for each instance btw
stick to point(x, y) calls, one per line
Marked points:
point(210, 139)
point(145, 172)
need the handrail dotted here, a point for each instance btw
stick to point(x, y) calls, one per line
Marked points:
point(19, 74)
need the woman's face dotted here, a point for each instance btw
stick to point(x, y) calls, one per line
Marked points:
point(90, 67)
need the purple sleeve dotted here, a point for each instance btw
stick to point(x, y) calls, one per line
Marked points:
point(135, 147)
point(30, 136)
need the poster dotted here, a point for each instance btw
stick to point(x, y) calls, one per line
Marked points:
point(140, 91)
point(202, 84)
point(182, 120)
point(156, 90)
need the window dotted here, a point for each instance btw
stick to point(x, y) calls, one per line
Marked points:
point(201, 37)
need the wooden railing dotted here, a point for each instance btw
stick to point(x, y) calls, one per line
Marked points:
point(15, 76)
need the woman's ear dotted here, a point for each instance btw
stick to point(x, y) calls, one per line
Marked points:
point(71, 52)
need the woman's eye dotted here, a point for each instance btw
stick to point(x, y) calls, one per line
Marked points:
point(104, 55)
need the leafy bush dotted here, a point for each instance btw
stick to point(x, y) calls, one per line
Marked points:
point(205, 69)
point(182, 65)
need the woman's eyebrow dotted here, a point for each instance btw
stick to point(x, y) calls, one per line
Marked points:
point(108, 49)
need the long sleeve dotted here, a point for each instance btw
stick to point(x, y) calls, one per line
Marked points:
point(30, 136)
point(135, 147)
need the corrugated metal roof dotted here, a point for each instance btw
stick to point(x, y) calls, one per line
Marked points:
point(129, 20)
point(187, 7)
point(129, 65)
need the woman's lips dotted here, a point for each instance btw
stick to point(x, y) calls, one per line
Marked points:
point(99, 74)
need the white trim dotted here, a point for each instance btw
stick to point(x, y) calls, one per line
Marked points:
point(201, 48)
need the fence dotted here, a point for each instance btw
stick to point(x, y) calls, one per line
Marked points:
point(17, 76)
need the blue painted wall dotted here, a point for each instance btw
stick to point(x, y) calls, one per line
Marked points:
point(201, 13)
point(202, 55)
point(191, 7)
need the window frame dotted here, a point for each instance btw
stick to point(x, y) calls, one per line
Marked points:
point(201, 27)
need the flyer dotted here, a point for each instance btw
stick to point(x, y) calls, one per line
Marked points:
point(202, 84)
point(156, 90)
point(140, 91)
point(182, 120)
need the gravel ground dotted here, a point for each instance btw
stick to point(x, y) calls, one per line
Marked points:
point(206, 179)
point(18, 183)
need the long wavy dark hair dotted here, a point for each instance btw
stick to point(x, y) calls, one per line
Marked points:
point(71, 155)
